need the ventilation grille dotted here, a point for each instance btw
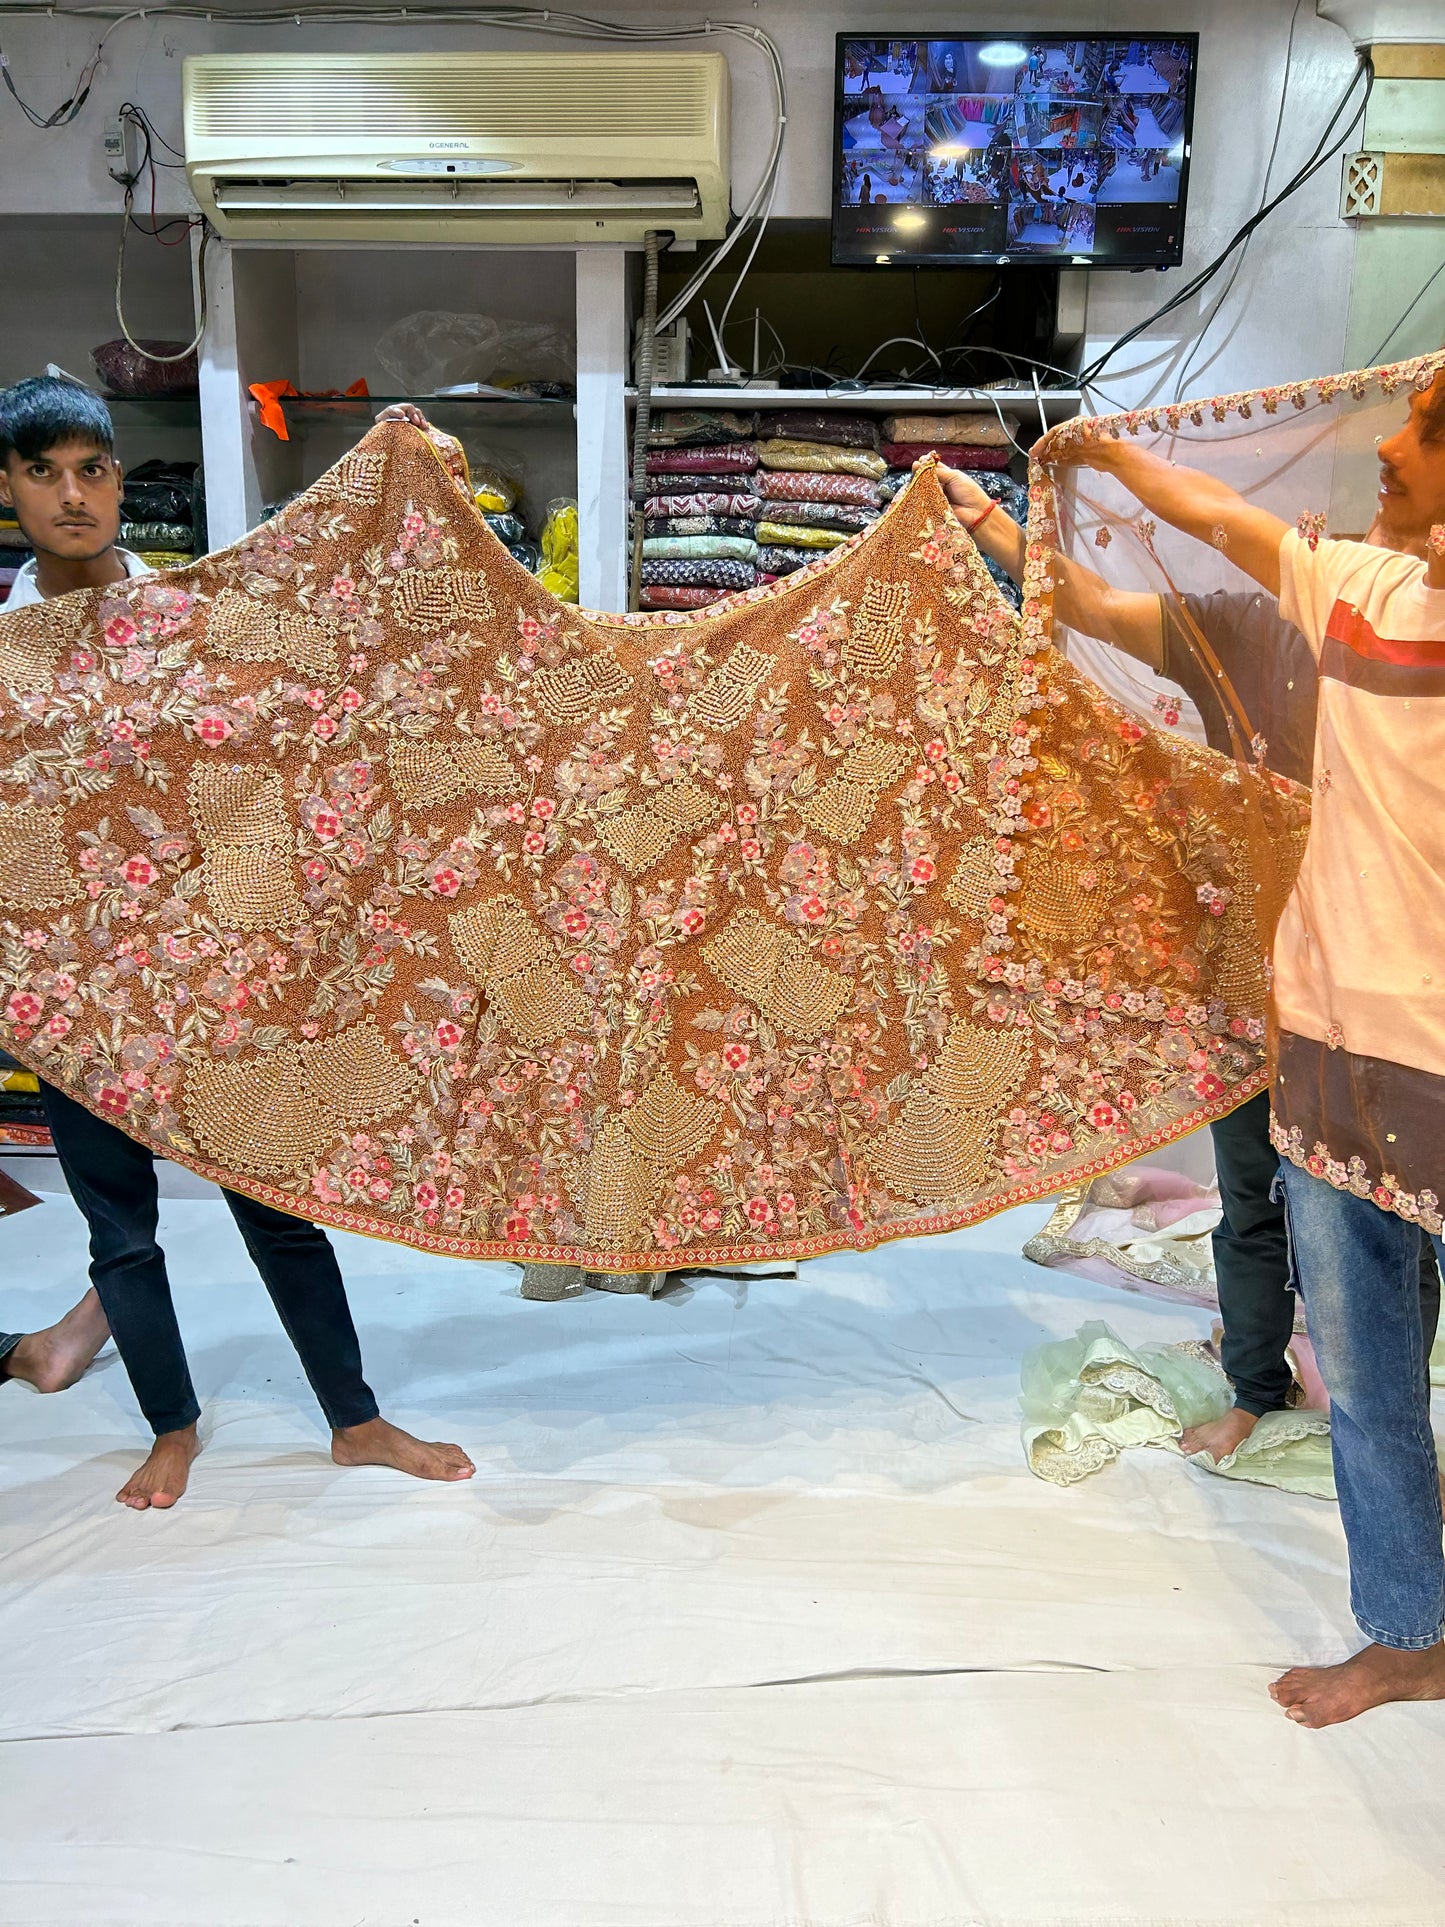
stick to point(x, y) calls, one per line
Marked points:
point(1364, 178)
point(600, 98)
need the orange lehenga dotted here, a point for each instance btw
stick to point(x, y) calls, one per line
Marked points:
point(350, 869)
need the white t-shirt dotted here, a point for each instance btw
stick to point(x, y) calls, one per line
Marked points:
point(25, 589)
point(1359, 957)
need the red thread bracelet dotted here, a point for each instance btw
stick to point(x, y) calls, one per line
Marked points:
point(974, 527)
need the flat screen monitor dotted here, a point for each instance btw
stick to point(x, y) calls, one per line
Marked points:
point(995, 149)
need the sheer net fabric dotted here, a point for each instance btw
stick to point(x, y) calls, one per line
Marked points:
point(1329, 677)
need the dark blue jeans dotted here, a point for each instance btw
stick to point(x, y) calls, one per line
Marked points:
point(113, 1180)
point(1359, 1273)
point(1252, 1266)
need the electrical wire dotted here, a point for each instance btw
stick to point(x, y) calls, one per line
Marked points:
point(1321, 155)
point(1374, 360)
point(548, 20)
point(127, 222)
point(1214, 312)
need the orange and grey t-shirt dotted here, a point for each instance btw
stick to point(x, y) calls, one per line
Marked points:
point(1359, 957)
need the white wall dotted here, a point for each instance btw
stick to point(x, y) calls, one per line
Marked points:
point(1285, 318)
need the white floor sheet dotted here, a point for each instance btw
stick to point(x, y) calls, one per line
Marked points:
point(751, 1618)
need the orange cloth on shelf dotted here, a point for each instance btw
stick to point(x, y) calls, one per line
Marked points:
point(268, 396)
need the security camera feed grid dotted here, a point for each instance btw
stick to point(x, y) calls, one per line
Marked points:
point(982, 149)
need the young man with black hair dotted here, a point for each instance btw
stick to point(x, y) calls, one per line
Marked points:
point(60, 478)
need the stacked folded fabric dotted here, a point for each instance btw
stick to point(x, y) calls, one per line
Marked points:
point(700, 515)
point(819, 476)
point(980, 444)
point(734, 499)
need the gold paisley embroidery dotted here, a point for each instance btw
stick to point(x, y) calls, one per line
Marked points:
point(933, 1153)
point(975, 881)
point(282, 1110)
point(425, 772)
point(574, 690)
point(30, 647)
point(642, 834)
point(1056, 901)
point(844, 805)
point(771, 968)
point(942, 1145)
point(517, 968)
point(35, 872)
point(979, 1068)
point(248, 849)
point(437, 600)
point(635, 1151)
point(356, 1075)
point(357, 478)
point(247, 630)
point(731, 689)
point(875, 635)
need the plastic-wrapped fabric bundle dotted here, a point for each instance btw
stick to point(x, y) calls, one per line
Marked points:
point(701, 572)
point(798, 536)
point(789, 485)
point(821, 458)
point(842, 429)
point(957, 455)
point(784, 561)
point(719, 458)
point(683, 427)
point(664, 504)
point(691, 548)
point(507, 528)
point(662, 595)
point(698, 525)
point(175, 537)
point(560, 567)
point(822, 515)
point(981, 430)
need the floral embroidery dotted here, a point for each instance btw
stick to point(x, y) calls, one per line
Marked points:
point(840, 910)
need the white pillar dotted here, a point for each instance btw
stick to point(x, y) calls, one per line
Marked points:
point(602, 361)
point(225, 427)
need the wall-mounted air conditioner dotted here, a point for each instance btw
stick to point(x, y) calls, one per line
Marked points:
point(530, 148)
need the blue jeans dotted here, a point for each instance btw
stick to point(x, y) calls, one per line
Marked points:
point(1358, 1270)
point(113, 1180)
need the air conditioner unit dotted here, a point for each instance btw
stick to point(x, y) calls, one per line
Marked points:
point(529, 148)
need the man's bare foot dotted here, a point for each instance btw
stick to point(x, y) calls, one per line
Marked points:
point(53, 1359)
point(379, 1442)
point(1325, 1695)
point(1219, 1436)
point(164, 1476)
